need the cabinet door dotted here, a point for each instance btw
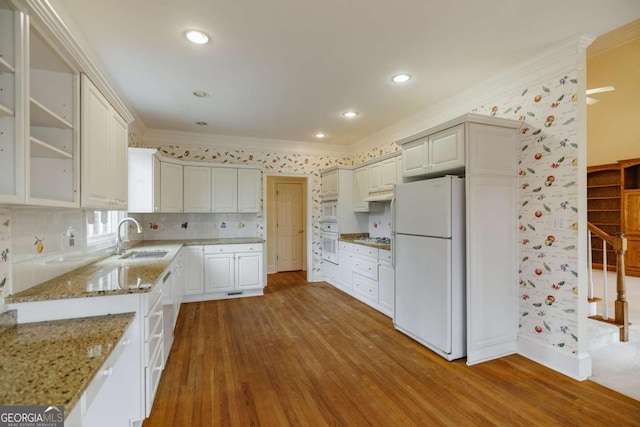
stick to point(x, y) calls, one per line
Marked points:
point(329, 184)
point(96, 148)
point(249, 271)
point(144, 181)
point(388, 174)
point(492, 267)
point(157, 194)
point(386, 287)
point(219, 272)
point(414, 157)
point(375, 177)
point(171, 187)
point(194, 270)
point(344, 268)
point(249, 190)
point(119, 156)
point(224, 190)
point(360, 190)
point(446, 149)
point(492, 150)
point(197, 189)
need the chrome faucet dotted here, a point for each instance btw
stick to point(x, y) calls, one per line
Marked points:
point(119, 239)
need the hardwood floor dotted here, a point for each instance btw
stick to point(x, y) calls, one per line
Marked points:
point(306, 354)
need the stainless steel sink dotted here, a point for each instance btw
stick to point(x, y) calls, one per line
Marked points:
point(144, 254)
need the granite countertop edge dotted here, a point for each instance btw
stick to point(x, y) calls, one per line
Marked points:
point(79, 347)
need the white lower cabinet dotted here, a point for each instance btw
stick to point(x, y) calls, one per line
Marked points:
point(386, 281)
point(219, 272)
point(110, 389)
point(224, 271)
point(193, 270)
point(365, 273)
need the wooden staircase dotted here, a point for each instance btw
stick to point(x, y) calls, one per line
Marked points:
point(621, 306)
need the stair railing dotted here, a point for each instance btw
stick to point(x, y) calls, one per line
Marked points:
point(621, 306)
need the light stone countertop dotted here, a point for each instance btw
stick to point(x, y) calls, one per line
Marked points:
point(53, 363)
point(114, 275)
point(353, 238)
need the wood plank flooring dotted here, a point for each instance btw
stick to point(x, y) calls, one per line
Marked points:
point(308, 355)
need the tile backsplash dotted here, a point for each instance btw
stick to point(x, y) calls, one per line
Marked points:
point(380, 221)
point(45, 243)
point(167, 226)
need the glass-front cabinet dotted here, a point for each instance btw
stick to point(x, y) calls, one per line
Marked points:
point(39, 115)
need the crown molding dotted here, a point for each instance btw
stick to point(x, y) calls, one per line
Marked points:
point(159, 137)
point(566, 56)
point(45, 14)
point(613, 39)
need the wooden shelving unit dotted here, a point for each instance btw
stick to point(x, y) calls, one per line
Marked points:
point(604, 208)
point(613, 204)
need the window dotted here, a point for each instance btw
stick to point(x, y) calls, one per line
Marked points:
point(102, 227)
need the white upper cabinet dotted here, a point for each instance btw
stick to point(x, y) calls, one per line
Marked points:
point(120, 157)
point(171, 187)
point(329, 184)
point(197, 189)
point(12, 172)
point(375, 177)
point(415, 157)
point(52, 148)
point(249, 190)
point(446, 150)
point(388, 174)
point(224, 190)
point(360, 189)
point(144, 180)
point(104, 152)
point(434, 154)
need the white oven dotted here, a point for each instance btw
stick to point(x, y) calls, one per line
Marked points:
point(329, 212)
point(330, 242)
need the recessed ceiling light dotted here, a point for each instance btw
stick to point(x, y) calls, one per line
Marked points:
point(197, 37)
point(200, 94)
point(349, 114)
point(320, 135)
point(401, 78)
point(201, 123)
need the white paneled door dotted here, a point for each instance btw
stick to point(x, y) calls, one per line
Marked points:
point(290, 225)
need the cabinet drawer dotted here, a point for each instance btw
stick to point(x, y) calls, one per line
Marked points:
point(385, 256)
point(154, 339)
point(347, 247)
point(152, 379)
point(106, 370)
point(222, 249)
point(365, 287)
point(366, 251)
point(151, 299)
point(365, 267)
point(330, 272)
point(152, 319)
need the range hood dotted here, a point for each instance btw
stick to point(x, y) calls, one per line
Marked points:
point(380, 196)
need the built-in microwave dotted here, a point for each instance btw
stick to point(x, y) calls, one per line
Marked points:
point(329, 212)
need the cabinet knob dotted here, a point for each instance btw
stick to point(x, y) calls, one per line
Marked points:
point(107, 372)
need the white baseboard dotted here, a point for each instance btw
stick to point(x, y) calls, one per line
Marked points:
point(575, 366)
point(271, 269)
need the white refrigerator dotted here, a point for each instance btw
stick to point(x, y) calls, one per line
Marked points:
point(429, 256)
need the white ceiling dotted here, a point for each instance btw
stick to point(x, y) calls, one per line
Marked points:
point(285, 69)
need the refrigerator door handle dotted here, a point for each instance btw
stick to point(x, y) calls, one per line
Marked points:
point(393, 228)
point(393, 250)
